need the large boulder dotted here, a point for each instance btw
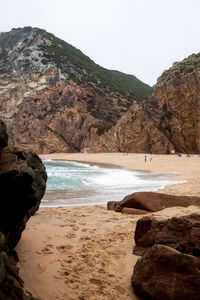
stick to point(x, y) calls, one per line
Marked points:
point(152, 201)
point(181, 233)
point(22, 186)
point(164, 273)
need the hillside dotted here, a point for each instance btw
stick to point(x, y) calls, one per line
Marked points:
point(62, 54)
point(51, 94)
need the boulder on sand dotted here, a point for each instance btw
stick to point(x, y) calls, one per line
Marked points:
point(152, 202)
point(181, 233)
point(170, 266)
point(22, 186)
point(167, 274)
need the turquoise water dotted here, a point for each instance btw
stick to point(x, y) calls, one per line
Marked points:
point(71, 183)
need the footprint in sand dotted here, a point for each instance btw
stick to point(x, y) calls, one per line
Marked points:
point(96, 281)
point(57, 277)
point(101, 271)
point(68, 260)
point(70, 235)
point(40, 268)
point(50, 245)
point(70, 220)
point(74, 227)
point(85, 238)
point(45, 250)
point(64, 248)
point(82, 223)
point(120, 289)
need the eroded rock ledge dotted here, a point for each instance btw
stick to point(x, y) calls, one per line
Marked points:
point(170, 266)
point(22, 185)
point(145, 202)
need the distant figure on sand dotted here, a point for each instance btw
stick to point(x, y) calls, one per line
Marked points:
point(151, 157)
point(145, 158)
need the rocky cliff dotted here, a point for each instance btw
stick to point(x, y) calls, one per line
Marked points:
point(53, 98)
point(52, 95)
point(22, 185)
point(169, 119)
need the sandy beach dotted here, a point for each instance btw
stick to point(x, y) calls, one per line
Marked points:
point(86, 252)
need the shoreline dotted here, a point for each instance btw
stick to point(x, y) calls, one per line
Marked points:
point(186, 167)
point(87, 196)
point(85, 252)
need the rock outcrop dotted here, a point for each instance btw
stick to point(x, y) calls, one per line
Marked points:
point(151, 202)
point(167, 274)
point(52, 95)
point(181, 233)
point(168, 120)
point(22, 185)
point(170, 265)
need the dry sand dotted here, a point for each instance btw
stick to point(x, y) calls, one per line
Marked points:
point(86, 252)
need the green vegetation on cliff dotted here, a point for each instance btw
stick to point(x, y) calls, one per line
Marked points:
point(87, 71)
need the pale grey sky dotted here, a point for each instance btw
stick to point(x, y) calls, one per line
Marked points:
point(139, 37)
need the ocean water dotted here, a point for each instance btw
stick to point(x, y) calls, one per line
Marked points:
point(71, 183)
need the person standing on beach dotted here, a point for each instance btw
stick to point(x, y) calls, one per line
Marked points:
point(151, 157)
point(145, 158)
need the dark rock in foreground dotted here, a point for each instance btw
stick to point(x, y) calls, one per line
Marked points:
point(166, 274)
point(170, 266)
point(22, 186)
point(181, 233)
point(152, 202)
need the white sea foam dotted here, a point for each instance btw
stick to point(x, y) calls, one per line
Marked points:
point(72, 183)
point(47, 160)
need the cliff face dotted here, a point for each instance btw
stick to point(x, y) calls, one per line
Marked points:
point(53, 98)
point(169, 119)
point(51, 94)
point(178, 94)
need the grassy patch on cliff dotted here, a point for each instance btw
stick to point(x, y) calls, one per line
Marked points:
point(87, 71)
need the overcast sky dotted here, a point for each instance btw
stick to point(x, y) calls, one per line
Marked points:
point(139, 37)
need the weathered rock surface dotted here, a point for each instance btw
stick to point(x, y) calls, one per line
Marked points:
point(50, 97)
point(134, 132)
point(169, 119)
point(51, 103)
point(164, 273)
point(133, 211)
point(3, 135)
point(181, 233)
point(152, 201)
point(22, 185)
